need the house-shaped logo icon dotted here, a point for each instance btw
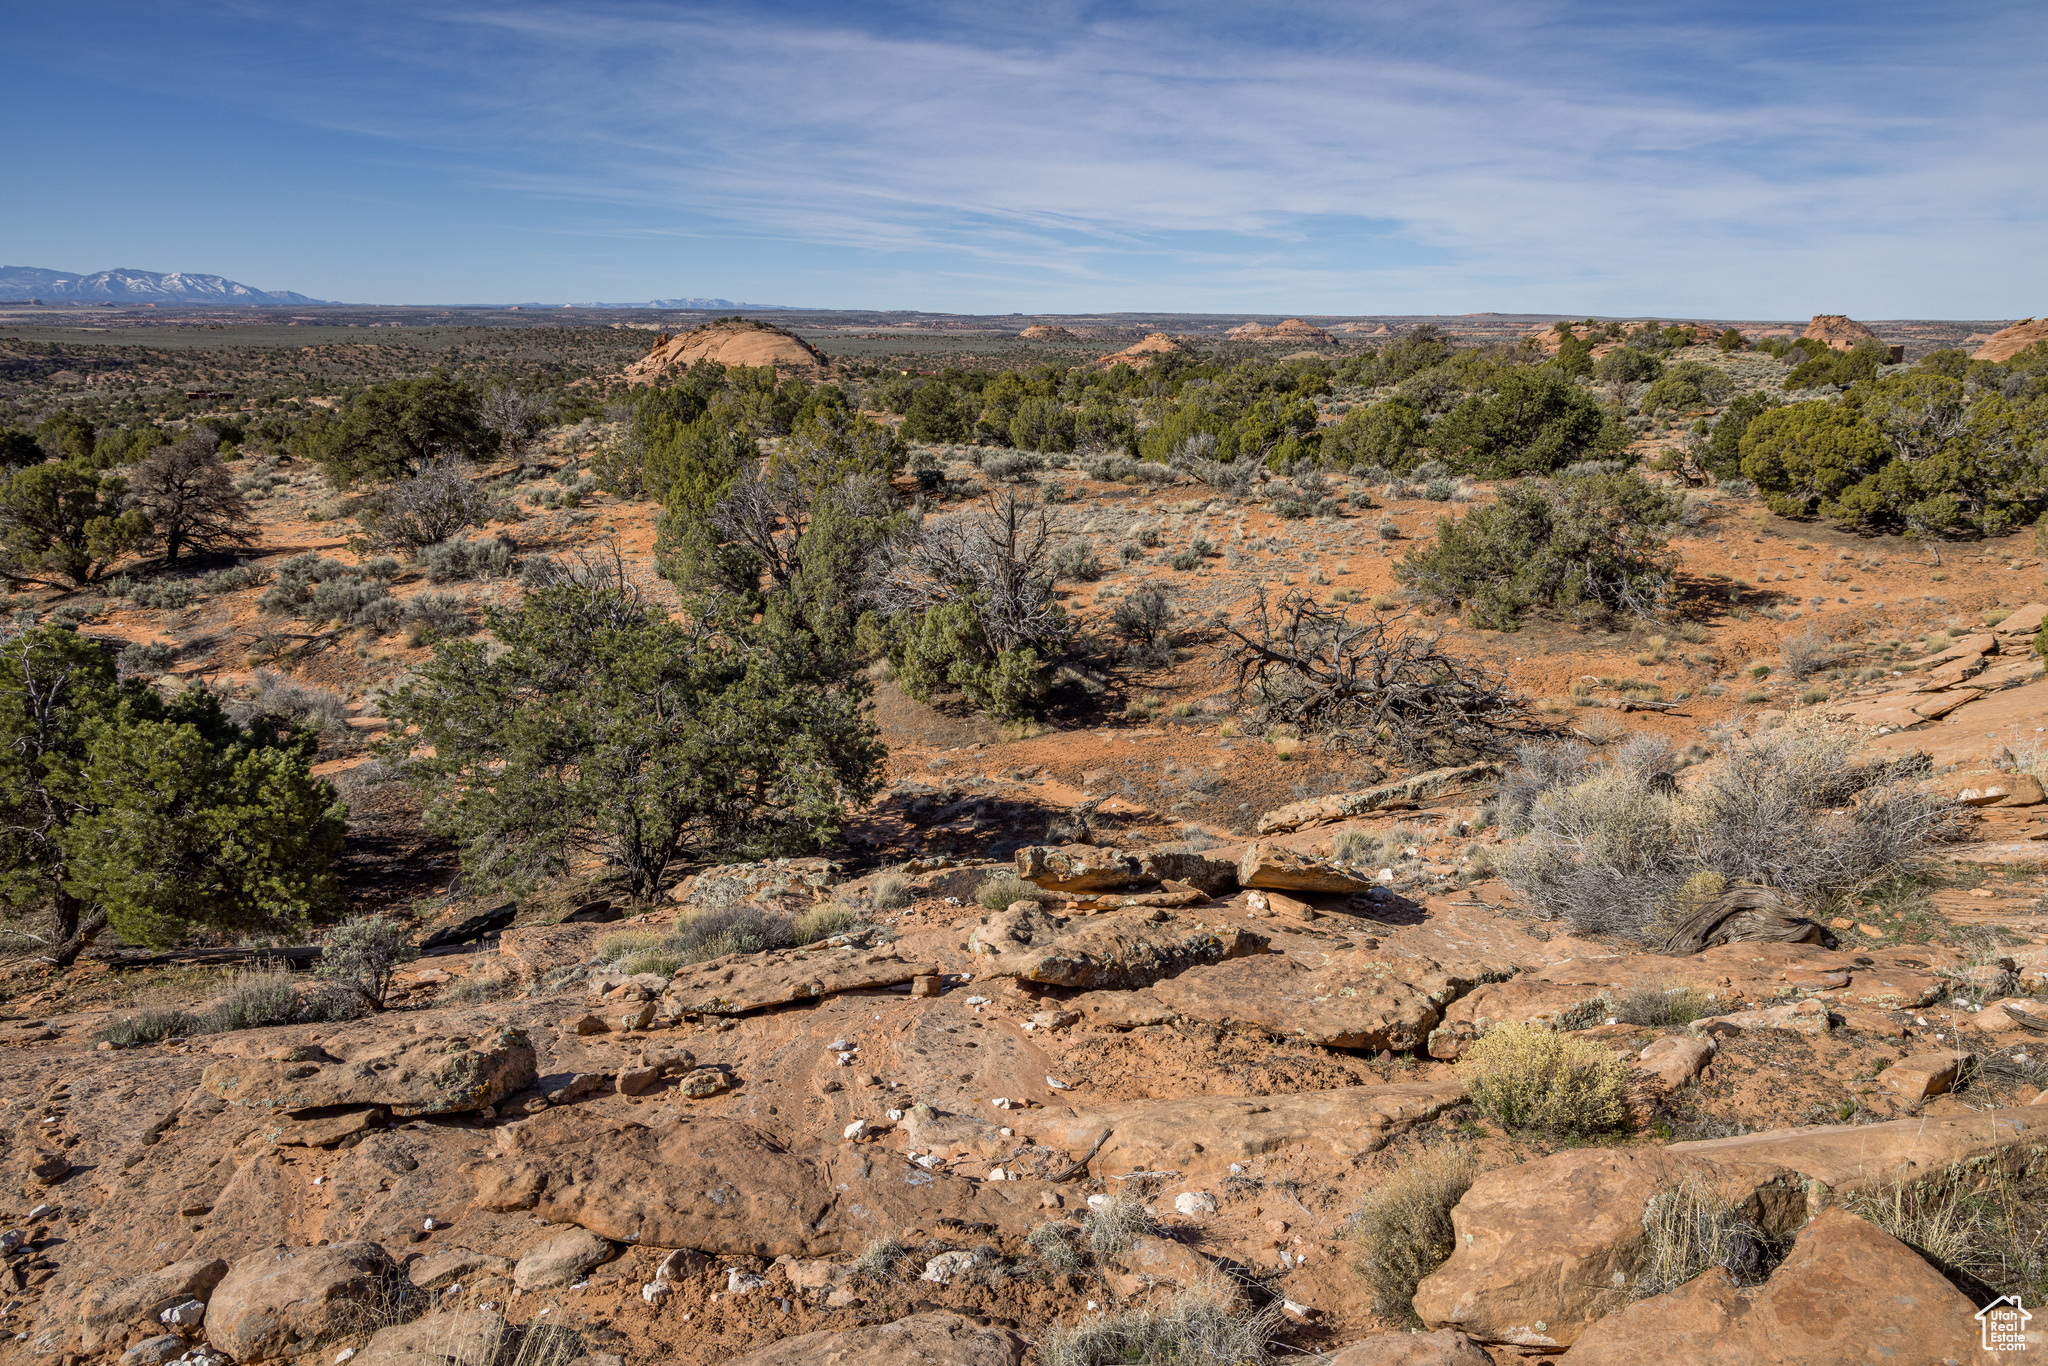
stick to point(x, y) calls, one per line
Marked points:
point(2004, 1322)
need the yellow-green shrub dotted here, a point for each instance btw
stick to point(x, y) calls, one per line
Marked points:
point(1528, 1077)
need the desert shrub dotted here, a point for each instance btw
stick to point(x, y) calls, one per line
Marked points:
point(1202, 1326)
point(1114, 469)
point(393, 429)
point(1526, 1077)
point(1076, 563)
point(257, 1000)
point(319, 589)
point(147, 1027)
point(1689, 1229)
point(1539, 767)
point(354, 603)
point(147, 661)
point(890, 891)
point(822, 922)
point(595, 724)
point(999, 891)
point(303, 706)
point(154, 816)
point(1614, 851)
point(968, 602)
point(610, 948)
point(479, 987)
point(1053, 1242)
point(1185, 560)
point(1403, 1227)
point(161, 595)
point(1657, 1007)
point(1144, 616)
point(1111, 1225)
point(433, 616)
point(459, 559)
point(441, 500)
point(1593, 543)
point(1537, 421)
point(362, 953)
point(1807, 653)
point(877, 1261)
point(731, 929)
point(1354, 846)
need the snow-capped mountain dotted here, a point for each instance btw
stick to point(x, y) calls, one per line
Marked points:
point(123, 285)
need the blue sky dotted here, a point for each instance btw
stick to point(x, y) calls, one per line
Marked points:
point(1716, 160)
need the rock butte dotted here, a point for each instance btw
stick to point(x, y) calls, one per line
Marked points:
point(728, 343)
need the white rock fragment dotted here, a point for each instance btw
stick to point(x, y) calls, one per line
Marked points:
point(1194, 1203)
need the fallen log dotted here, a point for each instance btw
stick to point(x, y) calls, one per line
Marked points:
point(1744, 915)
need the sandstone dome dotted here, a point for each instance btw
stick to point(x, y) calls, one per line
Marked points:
point(729, 341)
point(2009, 342)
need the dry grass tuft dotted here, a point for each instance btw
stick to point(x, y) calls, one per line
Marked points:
point(1525, 1077)
point(1404, 1226)
point(1200, 1326)
point(1690, 1229)
point(999, 891)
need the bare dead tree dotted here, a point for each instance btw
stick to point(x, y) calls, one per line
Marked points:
point(189, 497)
point(1372, 686)
point(514, 416)
point(1000, 556)
point(426, 509)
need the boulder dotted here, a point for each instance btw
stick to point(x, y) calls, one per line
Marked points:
point(1078, 868)
point(1354, 999)
point(1808, 1016)
point(561, 1260)
point(739, 982)
point(1848, 1294)
point(804, 878)
point(728, 342)
point(454, 1264)
point(1409, 791)
point(154, 1351)
point(1115, 951)
point(1863, 1157)
point(2026, 622)
point(413, 1074)
point(468, 1337)
point(931, 1339)
point(1150, 1261)
point(1091, 868)
point(110, 1308)
point(1272, 868)
point(1674, 1061)
point(474, 928)
point(1545, 1248)
point(1441, 1348)
point(286, 1301)
point(1992, 788)
point(1924, 1075)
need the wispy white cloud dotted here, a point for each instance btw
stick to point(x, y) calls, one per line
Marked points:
point(1325, 156)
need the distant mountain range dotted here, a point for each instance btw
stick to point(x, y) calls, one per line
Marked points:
point(127, 286)
point(140, 287)
point(697, 303)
